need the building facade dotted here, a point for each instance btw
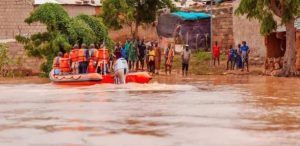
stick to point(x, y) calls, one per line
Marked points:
point(14, 12)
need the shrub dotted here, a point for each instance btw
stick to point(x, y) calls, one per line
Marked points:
point(203, 56)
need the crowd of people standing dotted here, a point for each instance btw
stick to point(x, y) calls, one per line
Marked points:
point(140, 55)
point(236, 58)
point(143, 55)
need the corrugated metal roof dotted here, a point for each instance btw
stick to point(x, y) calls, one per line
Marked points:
point(283, 29)
point(70, 2)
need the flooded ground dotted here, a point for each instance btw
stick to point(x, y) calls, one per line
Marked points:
point(199, 111)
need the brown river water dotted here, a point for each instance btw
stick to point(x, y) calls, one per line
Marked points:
point(198, 111)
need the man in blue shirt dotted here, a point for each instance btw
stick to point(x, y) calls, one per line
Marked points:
point(244, 50)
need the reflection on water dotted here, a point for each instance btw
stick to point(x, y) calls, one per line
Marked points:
point(209, 111)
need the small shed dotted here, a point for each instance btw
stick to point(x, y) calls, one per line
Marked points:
point(192, 28)
point(276, 46)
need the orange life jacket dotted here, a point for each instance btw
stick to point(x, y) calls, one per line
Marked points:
point(81, 55)
point(55, 63)
point(94, 54)
point(66, 55)
point(91, 67)
point(64, 65)
point(74, 55)
point(103, 55)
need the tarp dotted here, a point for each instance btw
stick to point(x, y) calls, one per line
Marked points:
point(167, 24)
point(191, 15)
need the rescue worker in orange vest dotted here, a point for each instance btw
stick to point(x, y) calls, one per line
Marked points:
point(64, 64)
point(92, 66)
point(83, 58)
point(103, 59)
point(93, 52)
point(74, 59)
point(56, 62)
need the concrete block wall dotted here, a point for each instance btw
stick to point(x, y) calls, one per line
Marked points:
point(12, 16)
point(249, 31)
point(16, 53)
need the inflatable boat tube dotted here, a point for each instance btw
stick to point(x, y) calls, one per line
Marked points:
point(79, 79)
point(137, 77)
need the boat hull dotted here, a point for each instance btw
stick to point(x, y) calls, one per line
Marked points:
point(76, 80)
point(95, 78)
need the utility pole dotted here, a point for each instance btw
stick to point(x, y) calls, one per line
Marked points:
point(211, 30)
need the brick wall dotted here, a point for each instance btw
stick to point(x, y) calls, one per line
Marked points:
point(249, 31)
point(17, 53)
point(12, 15)
point(223, 27)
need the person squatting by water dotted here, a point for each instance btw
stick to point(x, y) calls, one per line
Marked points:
point(121, 70)
point(185, 56)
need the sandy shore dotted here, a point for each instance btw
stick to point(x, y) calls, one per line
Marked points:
point(24, 80)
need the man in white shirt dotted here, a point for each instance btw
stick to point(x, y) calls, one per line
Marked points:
point(185, 56)
point(121, 70)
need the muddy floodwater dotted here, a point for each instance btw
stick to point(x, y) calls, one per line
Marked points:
point(198, 111)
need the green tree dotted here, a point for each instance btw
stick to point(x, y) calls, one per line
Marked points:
point(265, 11)
point(80, 32)
point(62, 32)
point(119, 12)
point(100, 30)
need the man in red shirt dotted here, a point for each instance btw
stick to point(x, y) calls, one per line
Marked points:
point(216, 53)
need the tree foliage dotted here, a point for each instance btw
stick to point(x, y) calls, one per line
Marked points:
point(265, 10)
point(62, 32)
point(287, 11)
point(119, 12)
